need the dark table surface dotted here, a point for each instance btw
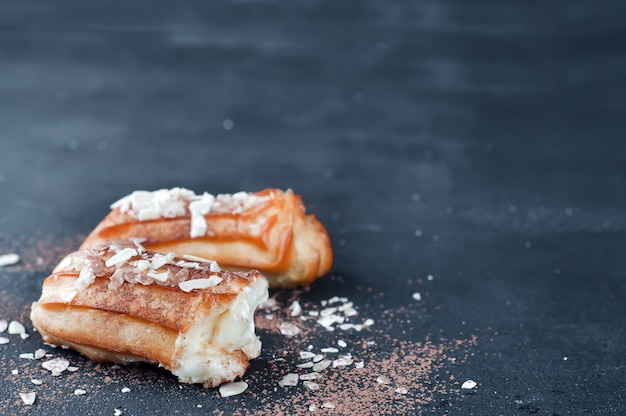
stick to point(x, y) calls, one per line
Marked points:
point(479, 144)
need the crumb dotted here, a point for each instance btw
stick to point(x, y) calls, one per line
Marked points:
point(9, 259)
point(468, 385)
point(232, 389)
point(28, 398)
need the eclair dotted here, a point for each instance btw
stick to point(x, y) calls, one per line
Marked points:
point(122, 303)
point(267, 231)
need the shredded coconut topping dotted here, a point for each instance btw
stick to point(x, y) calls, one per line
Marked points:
point(124, 262)
point(179, 202)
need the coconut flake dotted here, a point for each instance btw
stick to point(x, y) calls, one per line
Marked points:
point(233, 389)
point(469, 384)
point(4, 340)
point(198, 259)
point(214, 267)
point(401, 390)
point(198, 210)
point(16, 328)
point(125, 390)
point(117, 412)
point(382, 380)
point(28, 398)
point(328, 311)
point(158, 261)
point(198, 226)
point(310, 376)
point(417, 296)
point(342, 362)
point(141, 265)
point(342, 343)
point(144, 205)
point(36, 382)
point(328, 405)
point(189, 285)
point(56, 365)
point(3, 325)
point(161, 277)
point(308, 364)
point(187, 264)
point(137, 242)
point(289, 329)
point(40, 353)
point(121, 257)
point(305, 355)
point(68, 296)
point(295, 308)
point(329, 350)
point(345, 306)
point(85, 278)
point(9, 259)
point(290, 379)
point(80, 392)
point(311, 385)
point(148, 214)
point(329, 320)
point(322, 365)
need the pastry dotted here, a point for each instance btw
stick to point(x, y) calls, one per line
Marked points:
point(268, 231)
point(122, 303)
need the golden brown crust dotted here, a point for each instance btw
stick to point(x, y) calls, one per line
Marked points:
point(103, 335)
point(168, 307)
point(276, 237)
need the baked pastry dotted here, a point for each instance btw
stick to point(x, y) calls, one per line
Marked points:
point(268, 231)
point(121, 303)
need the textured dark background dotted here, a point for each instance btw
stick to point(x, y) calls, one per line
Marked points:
point(496, 128)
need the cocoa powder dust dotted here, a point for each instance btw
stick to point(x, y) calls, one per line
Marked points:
point(388, 375)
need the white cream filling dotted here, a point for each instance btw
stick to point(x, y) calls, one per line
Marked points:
point(203, 351)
